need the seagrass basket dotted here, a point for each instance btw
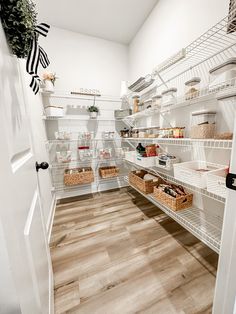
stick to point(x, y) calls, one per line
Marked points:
point(176, 204)
point(109, 172)
point(77, 176)
point(145, 186)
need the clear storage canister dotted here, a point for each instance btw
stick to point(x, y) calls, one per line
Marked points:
point(147, 103)
point(169, 96)
point(192, 88)
point(136, 100)
point(223, 75)
point(203, 124)
point(156, 101)
point(105, 153)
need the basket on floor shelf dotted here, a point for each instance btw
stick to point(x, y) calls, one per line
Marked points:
point(108, 172)
point(77, 176)
point(136, 178)
point(176, 204)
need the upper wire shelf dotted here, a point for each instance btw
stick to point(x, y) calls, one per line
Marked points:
point(214, 41)
point(210, 49)
point(80, 118)
point(68, 95)
point(205, 94)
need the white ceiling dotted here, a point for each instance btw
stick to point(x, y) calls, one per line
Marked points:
point(116, 20)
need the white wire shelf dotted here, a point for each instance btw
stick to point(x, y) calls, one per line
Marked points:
point(82, 140)
point(76, 163)
point(205, 143)
point(202, 225)
point(166, 176)
point(214, 41)
point(68, 95)
point(80, 118)
point(205, 95)
point(97, 180)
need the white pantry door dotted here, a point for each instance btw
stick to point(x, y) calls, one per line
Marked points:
point(20, 209)
point(225, 293)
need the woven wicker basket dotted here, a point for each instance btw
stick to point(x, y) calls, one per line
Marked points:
point(145, 186)
point(78, 176)
point(108, 172)
point(175, 204)
point(203, 131)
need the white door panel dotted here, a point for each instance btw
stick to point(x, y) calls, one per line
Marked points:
point(36, 250)
point(226, 284)
point(20, 207)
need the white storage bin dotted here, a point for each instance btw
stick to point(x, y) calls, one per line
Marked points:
point(223, 75)
point(145, 161)
point(194, 172)
point(216, 182)
point(131, 156)
point(169, 97)
point(53, 111)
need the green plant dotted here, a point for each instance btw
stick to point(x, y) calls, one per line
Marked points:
point(19, 20)
point(93, 109)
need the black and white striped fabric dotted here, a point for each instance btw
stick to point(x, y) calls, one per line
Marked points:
point(37, 55)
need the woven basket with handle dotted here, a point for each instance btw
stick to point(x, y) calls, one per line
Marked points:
point(145, 186)
point(181, 202)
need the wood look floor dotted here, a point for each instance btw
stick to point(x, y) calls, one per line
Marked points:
point(116, 253)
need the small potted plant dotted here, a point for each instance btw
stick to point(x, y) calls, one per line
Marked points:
point(49, 79)
point(93, 110)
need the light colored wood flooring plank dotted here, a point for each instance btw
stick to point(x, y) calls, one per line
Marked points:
point(115, 252)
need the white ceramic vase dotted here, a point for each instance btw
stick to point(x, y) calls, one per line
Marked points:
point(93, 115)
point(48, 86)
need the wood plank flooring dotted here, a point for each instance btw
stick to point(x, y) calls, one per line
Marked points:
point(116, 253)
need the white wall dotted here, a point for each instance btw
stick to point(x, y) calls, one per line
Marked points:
point(85, 61)
point(172, 25)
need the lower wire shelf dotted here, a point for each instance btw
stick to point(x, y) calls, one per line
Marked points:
point(97, 180)
point(171, 178)
point(202, 225)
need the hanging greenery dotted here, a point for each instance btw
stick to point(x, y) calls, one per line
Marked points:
point(19, 20)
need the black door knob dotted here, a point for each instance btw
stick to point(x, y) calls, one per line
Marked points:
point(44, 165)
